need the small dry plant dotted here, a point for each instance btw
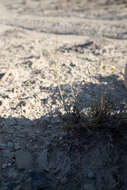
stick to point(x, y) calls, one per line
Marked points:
point(69, 107)
point(98, 113)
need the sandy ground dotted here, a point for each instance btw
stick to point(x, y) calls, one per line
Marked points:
point(88, 42)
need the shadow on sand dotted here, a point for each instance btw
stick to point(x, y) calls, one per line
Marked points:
point(75, 158)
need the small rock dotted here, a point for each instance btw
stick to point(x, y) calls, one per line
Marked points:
point(72, 64)
point(24, 160)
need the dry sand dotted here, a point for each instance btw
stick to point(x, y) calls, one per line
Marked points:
point(88, 41)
